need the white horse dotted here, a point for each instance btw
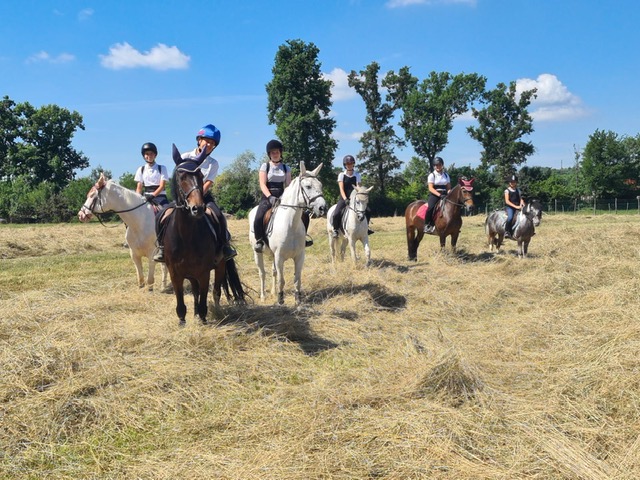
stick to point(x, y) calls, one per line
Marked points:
point(354, 225)
point(107, 196)
point(286, 234)
point(524, 223)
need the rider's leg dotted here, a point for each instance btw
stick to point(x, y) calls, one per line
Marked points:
point(508, 226)
point(337, 216)
point(227, 250)
point(305, 221)
point(428, 221)
point(258, 224)
point(367, 214)
point(158, 256)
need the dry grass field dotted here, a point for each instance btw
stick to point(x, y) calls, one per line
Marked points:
point(465, 366)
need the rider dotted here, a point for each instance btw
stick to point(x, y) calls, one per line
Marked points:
point(347, 180)
point(439, 185)
point(274, 177)
point(208, 137)
point(152, 177)
point(513, 201)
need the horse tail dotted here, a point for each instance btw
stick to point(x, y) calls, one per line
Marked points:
point(232, 281)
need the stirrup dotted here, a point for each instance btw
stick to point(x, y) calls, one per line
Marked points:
point(308, 242)
point(258, 246)
point(429, 229)
point(229, 252)
point(158, 256)
point(335, 234)
point(370, 232)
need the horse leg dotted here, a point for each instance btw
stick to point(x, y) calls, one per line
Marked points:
point(259, 258)
point(454, 241)
point(181, 308)
point(279, 278)
point(367, 250)
point(352, 248)
point(151, 279)
point(298, 263)
point(332, 249)
point(343, 248)
point(525, 248)
point(165, 272)
point(218, 278)
point(137, 261)
point(412, 243)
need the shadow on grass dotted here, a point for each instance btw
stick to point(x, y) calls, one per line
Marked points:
point(380, 296)
point(283, 322)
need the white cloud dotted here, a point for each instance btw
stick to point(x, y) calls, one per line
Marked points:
point(85, 14)
point(407, 3)
point(553, 100)
point(160, 57)
point(338, 135)
point(340, 89)
point(43, 56)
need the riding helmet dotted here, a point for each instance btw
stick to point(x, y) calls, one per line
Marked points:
point(438, 161)
point(274, 145)
point(348, 159)
point(209, 131)
point(512, 178)
point(148, 146)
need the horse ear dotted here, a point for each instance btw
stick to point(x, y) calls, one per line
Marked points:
point(177, 158)
point(201, 156)
point(314, 173)
point(303, 169)
point(369, 189)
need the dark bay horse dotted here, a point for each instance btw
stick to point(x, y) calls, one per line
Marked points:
point(447, 216)
point(191, 246)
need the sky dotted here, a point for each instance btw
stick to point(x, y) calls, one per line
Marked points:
point(141, 71)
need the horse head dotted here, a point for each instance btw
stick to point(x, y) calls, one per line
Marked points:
point(359, 201)
point(534, 210)
point(187, 183)
point(311, 189)
point(93, 196)
point(466, 187)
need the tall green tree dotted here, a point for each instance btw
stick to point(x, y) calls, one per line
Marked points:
point(9, 132)
point(607, 164)
point(429, 107)
point(299, 103)
point(378, 160)
point(44, 152)
point(502, 123)
point(237, 188)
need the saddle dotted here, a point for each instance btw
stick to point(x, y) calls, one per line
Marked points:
point(164, 215)
point(437, 211)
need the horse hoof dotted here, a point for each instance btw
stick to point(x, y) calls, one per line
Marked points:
point(182, 322)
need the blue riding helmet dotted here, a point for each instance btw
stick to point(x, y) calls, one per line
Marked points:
point(209, 131)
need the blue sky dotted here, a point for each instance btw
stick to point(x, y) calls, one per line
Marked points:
point(141, 71)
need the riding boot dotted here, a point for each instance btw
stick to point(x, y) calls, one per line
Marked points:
point(158, 255)
point(429, 229)
point(258, 246)
point(227, 250)
point(308, 241)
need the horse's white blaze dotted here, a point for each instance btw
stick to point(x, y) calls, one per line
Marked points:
point(286, 233)
point(355, 226)
point(107, 196)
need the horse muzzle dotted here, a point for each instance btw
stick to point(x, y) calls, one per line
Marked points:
point(196, 211)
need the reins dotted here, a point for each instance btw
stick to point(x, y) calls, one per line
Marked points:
point(98, 200)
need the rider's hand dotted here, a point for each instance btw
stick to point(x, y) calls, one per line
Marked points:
point(272, 200)
point(149, 196)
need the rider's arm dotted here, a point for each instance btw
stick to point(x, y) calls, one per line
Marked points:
point(342, 194)
point(158, 190)
point(432, 190)
point(262, 175)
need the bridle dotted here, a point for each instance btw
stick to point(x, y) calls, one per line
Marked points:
point(461, 205)
point(184, 196)
point(97, 200)
point(307, 199)
point(359, 213)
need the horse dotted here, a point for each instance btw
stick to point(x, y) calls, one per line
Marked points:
point(524, 225)
point(447, 217)
point(137, 213)
point(354, 226)
point(191, 246)
point(285, 233)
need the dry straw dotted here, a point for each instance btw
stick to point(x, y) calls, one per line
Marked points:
point(463, 366)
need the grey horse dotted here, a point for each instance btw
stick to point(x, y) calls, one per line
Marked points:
point(524, 225)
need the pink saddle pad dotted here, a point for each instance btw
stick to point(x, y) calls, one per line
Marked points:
point(422, 211)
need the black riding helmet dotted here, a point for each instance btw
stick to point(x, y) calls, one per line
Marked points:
point(348, 159)
point(148, 146)
point(274, 145)
point(512, 178)
point(438, 161)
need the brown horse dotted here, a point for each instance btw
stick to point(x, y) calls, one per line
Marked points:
point(191, 246)
point(447, 217)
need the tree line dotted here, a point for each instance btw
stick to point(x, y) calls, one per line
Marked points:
point(38, 161)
